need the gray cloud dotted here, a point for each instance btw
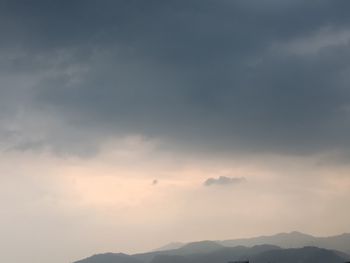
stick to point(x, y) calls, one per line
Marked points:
point(206, 75)
point(224, 180)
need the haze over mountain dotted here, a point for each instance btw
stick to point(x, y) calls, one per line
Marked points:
point(301, 255)
point(172, 245)
point(208, 252)
point(293, 239)
point(110, 258)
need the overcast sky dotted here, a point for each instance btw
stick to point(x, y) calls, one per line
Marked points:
point(128, 124)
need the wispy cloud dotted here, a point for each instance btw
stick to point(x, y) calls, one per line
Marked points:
point(224, 180)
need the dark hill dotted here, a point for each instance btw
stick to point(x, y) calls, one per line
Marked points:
point(294, 240)
point(300, 255)
point(190, 248)
point(109, 258)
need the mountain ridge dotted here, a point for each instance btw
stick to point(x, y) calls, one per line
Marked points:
point(289, 247)
point(294, 239)
point(256, 254)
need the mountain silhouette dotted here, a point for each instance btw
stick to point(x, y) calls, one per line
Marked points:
point(295, 240)
point(256, 254)
point(109, 258)
point(283, 247)
point(170, 246)
point(302, 255)
point(190, 248)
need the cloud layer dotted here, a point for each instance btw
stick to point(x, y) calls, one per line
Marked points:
point(203, 75)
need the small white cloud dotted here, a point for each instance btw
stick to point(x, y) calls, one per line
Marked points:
point(224, 180)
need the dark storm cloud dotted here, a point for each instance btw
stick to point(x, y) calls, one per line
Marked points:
point(213, 75)
point(224, 180)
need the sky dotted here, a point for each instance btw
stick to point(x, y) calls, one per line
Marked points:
point(129, 124)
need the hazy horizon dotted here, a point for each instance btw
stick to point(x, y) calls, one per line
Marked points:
point(180, 242)
point(129, 124)
point(173, 244)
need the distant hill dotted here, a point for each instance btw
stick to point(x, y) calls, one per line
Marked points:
point(270, 255)
point(190, 248)
point(295, 240)
point(110, 258)
point(301, 255)
point(283, 247)
point(285, 240)
point(256, 254)
point(223, 255)
point(198, 252)
point(200, 247)
point(170, 246)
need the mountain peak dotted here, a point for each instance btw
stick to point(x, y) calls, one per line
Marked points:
point(297, 233)
point(170, 246)
point(201, 246)
point(109, 258)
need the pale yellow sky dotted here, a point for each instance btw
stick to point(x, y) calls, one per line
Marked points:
point(109, 202)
